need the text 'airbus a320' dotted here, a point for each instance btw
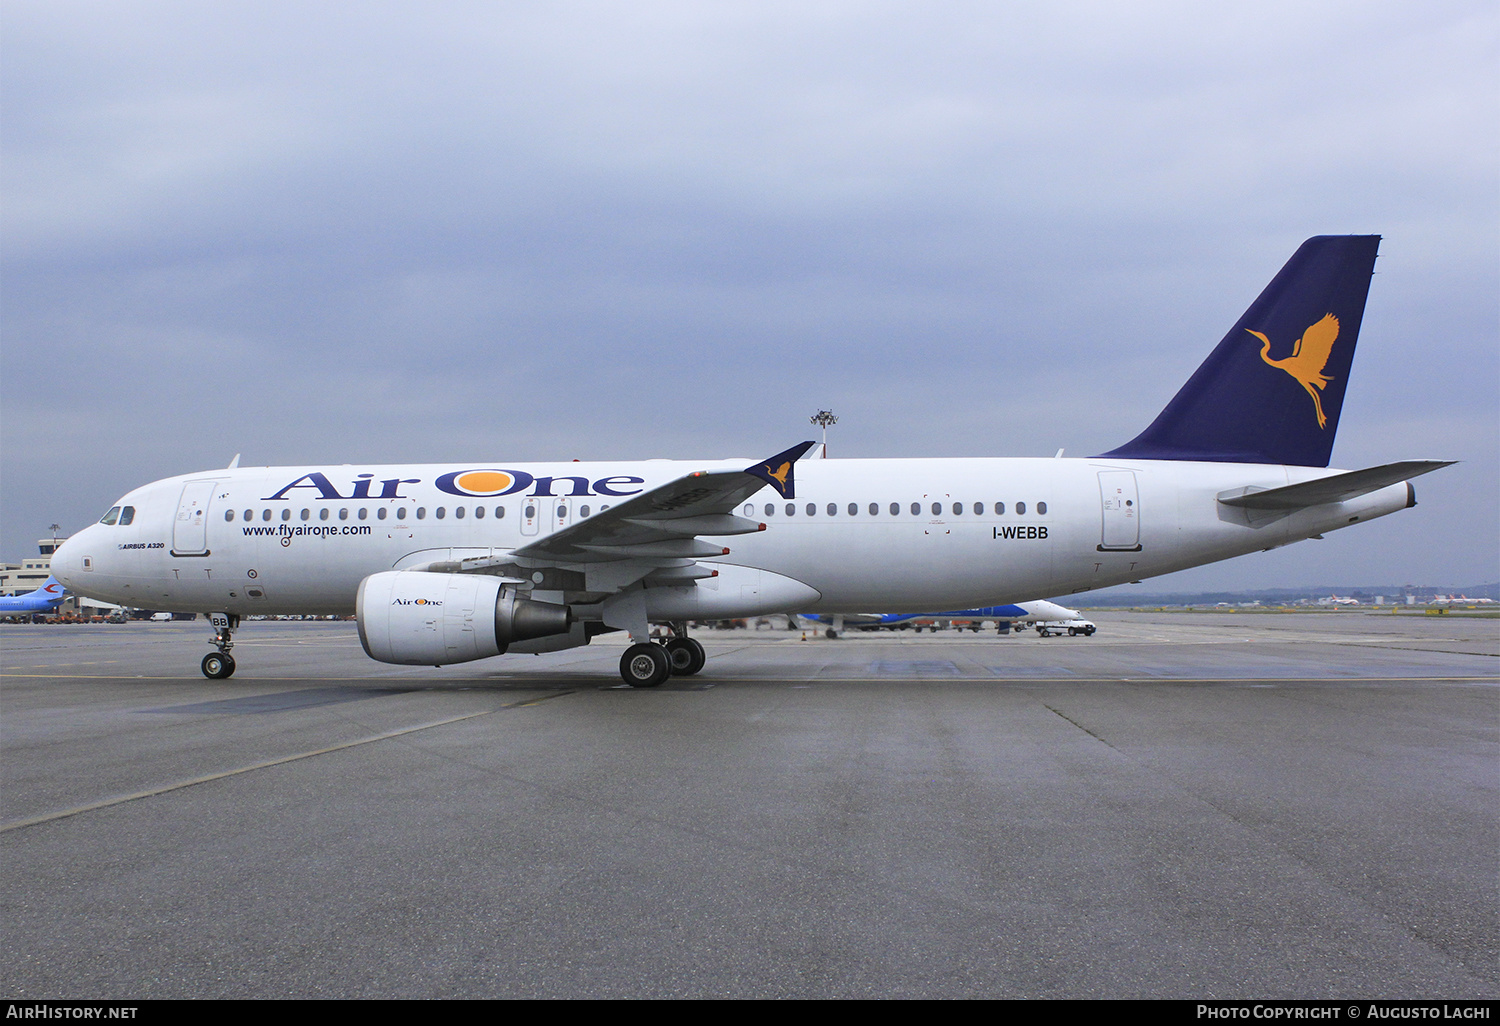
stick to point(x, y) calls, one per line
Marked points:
point(453, 562)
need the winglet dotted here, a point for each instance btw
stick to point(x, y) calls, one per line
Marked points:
point(777, 471)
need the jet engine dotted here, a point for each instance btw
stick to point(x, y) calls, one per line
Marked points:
point(428, 619)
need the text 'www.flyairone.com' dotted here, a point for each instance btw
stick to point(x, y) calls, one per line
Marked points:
point(301, 531)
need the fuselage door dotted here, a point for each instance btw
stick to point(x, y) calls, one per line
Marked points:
point(1122, 511)
point(562, 512)
point(190, 529)
point(531, 515)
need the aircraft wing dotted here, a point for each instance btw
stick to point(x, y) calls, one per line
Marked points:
point(659, 533)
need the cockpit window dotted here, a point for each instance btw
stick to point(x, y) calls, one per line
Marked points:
point(127, 515)
point(109, 518)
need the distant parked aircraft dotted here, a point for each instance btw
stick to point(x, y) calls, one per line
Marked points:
point(45, 599)
point(1020, 612)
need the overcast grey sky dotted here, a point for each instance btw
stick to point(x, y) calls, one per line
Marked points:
point(380, 232)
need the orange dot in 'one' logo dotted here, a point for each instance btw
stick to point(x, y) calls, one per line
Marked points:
point(484, 482)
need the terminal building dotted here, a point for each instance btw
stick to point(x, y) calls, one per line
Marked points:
point(31, 573)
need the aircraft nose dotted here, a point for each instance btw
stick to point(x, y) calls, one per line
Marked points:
point(68, 560)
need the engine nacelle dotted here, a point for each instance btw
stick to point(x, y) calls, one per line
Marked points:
point(425, 619)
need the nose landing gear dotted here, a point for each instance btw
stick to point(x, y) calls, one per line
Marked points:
point(219, 665)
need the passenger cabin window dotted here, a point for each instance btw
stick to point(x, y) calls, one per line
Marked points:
point(999, 509)
point(286, 514)
point(916, 509)
point(958, 509)
point(770, 509)
point(833, 509)
point(791, 509)
point(363, 513)
point(440, 512)
point(854, 509)
point(323, 513)
point(380, 513)
point(265, 514)
point(228, 514)
point(421, 513)
point(937, 509)
point(401, 513)
point(306, 514)
point(1041, 509)
point(499, 512)
point(874, 509)
point(583, 511)
point(458, 513)
point(812, 509)
point(249, 514)
point(978, 509)
point(479, 512)
point(343, 514)
point(1021, 509)
point(895, 509)
point(111, 517)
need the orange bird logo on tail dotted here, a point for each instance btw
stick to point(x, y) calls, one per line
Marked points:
point(779, 473)
point(1309, 357)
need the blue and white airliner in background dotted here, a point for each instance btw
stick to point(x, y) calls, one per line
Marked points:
point(45, 599)
point(459, 561)
point(1038, 611)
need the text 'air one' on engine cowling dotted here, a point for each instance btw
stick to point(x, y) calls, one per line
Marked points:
point(427, 619)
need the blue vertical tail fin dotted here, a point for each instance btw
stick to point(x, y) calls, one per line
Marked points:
point(1272, 390)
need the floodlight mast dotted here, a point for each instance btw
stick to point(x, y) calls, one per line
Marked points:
point(823, 418)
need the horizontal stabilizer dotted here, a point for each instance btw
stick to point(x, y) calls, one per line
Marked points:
point(1338, 488)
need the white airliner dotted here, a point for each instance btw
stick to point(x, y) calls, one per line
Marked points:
point(453, 562)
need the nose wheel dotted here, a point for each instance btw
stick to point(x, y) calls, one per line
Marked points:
point(219, 665)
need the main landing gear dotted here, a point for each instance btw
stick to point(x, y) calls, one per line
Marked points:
point(219, 665)
point(649, 664)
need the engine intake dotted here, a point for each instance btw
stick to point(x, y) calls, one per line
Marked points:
point(425, 619)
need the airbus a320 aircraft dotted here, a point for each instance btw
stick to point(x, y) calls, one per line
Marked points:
point(447, 563)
